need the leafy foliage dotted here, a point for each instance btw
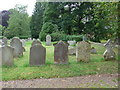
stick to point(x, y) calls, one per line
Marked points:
point(18, 23)
point(37, 20)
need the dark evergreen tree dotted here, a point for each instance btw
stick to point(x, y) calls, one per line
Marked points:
point(37, 20)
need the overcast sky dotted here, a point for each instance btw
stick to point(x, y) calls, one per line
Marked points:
point(8, 4)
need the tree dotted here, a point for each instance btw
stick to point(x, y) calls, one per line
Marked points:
point(18, 24)
point(37, 20)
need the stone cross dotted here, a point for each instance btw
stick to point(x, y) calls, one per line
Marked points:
point(109, 54)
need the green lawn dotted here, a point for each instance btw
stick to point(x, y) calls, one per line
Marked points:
point(22, 70)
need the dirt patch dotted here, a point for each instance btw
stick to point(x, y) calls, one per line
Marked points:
point(88, 81)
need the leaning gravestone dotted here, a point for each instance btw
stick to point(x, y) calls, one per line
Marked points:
point(36, 42)
point(17, 45)
point(83, 51)
point(37, 55)
point(6, 55)
point(48, 40)
point(4, 40)
point(109, 54)
point(61, 53)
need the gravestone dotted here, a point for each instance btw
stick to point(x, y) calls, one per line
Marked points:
point(109, 54)
point(36, 42)
point(6, 56)
point(72, 51)
point(23, 42)
point(93, 50)
point(4, 40)
point(48, 40)
point(72, 43)
point(37, 55)
point(17, 45)
point(83, 51)
point(61, 53)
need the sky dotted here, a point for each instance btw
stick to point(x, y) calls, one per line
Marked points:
point(8, 4)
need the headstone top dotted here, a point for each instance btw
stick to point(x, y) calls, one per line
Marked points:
point(36, 42)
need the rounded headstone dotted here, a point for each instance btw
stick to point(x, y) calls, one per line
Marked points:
point(61, 53)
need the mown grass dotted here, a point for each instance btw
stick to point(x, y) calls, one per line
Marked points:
point(22, 70)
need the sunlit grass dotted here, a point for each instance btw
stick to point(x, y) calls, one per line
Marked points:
point(22, 70)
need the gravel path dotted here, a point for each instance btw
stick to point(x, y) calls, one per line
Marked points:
point(88, 81)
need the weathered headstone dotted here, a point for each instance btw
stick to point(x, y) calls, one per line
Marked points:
point(48, 40)
point(17, 45)
point(37, 55)
point(109, 54)
point(83, 51)
point(93, 50)
point(72, 43)
point(4, 40)
point(61, 53)
point(6, 55)
point(23, 42)
point(72, 51)
point(36, 42)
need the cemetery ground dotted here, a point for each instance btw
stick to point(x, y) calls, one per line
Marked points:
point(97, 65)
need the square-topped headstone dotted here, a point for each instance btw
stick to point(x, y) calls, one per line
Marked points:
point(6, 56)
point(37, 55)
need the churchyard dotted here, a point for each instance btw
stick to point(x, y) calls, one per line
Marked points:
point(22, 69)
point(61, 44)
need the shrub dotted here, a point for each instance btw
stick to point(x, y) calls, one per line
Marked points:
point(24, 37)
point(47, 28)
point(56, 36)
point(74, 37)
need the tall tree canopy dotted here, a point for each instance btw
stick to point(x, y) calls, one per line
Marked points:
point(37, 20)
point(18, 24)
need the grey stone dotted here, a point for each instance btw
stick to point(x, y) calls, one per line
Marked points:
point(37, 55)
point(72, 43)
point(17, 45)
point(4, 40)
point(36, 42)
point(83, 51)
point(109, 54)
point(93, 50)
point(72, 51)
point(6, 56)
point(61, 53)
point(48, 40)
point(23, 42)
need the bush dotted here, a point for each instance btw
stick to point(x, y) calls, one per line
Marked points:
point(47, 28)
point(74, 37)
point(24, 37)
point(56, 36)
point(1, 37)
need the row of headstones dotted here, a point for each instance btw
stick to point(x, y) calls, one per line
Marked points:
point(38, 52)
point(8, 53)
